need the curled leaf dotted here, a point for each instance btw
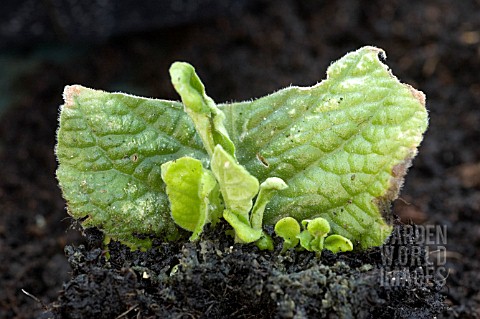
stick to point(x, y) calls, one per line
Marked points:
point(265, 242)
point(207, 117)
point(238, 187)
point(337, 243)
point(193, 193)
point(318, 228)
point(267, 190)
point(243, 232)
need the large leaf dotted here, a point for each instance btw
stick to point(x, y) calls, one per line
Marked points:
point(342, 146)
point(110, 148)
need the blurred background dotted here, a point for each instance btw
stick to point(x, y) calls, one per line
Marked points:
point(241, 49)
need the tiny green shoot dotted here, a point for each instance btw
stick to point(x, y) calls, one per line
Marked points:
point(288, 229)
point(318, 229)
point(337, 243)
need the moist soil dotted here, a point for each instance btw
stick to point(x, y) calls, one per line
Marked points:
point(432, 45)
point(215, 278)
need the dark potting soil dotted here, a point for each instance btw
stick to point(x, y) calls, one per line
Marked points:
point(215, 278)
point(433, 45)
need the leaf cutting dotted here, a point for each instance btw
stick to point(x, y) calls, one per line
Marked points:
point(336, 152)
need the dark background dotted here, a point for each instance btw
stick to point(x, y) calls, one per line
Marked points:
point(241, 50)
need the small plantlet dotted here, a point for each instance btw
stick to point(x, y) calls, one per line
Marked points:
point(332, 156)
point(313, 237)
point(317, 229)
point(337, 243)
point(289, 230)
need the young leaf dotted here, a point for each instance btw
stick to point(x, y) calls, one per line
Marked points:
point(337, 243)
point(342, 146)
point(206, 116)
point(267, 190)
point(318, 229)
point(190, 189)
point(289, 229)
point(238, 187)
point(305, 239)
point(265, 242)
point(110, 148)
point(244, 233)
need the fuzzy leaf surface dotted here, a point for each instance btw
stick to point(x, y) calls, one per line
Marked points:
point(110, 149)
point(342, 146)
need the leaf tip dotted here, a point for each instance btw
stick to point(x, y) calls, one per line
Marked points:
point(380, 52)
point(69, 94)
point(183, 73)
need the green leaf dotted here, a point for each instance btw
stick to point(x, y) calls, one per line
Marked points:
point(110, 148)
point(305, 239)
point(238, 189)
point(337, 243)
point(318, 228)
point(289, 229)
point(208, 118)
point(237, 186)
point(267, 190)
point(243, 232)
point(342, 146)
point(312, 238)
point(265, 242)
point(190, 188)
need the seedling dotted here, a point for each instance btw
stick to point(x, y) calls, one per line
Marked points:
point(336, 243)
point(289, 230)
point(333, 153)
point(315, 233)
point(314, 236)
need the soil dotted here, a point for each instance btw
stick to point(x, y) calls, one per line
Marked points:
point(214, 278)
point(432, 45)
